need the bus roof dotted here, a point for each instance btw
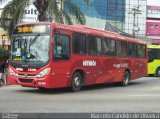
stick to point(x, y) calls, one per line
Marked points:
point(90, 30)
point(95, 31)
point(154, 46)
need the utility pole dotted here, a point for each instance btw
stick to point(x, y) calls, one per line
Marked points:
point(135, 11)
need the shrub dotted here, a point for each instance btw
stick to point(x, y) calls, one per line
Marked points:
point(4, 54)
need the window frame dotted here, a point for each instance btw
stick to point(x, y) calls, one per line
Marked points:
point(121, 53)
point(95, 40)
point(69, 48)
point(138, 53)
point(104, 42)
point(85, 47)
point(135, 46)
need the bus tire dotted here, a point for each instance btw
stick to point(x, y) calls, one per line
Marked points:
point(42, 89)
point(76, 83)
point(125, 79)
point(158, 72)
point(150, 75)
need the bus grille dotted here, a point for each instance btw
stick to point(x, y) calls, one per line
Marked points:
point(28, 75)
point(25, 80)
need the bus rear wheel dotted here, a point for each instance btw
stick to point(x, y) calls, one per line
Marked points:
point(125, 79)
point(158, 72)
point(76, 83)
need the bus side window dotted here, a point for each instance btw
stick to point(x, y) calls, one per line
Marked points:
point(141, 51)
point(91, 45)
point(108, 47)
point(94, 45)
point(132, 49)
point(61, 47)
point(121, 48)
point(79, 43)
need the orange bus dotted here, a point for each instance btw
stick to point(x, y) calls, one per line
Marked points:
point(53, 55)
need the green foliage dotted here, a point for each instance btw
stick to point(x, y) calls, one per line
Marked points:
point(59, 15)
point(12, 13)
point(4, 54)
point(14, 10)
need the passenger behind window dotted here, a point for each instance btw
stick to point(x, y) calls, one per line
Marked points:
point(92, 49)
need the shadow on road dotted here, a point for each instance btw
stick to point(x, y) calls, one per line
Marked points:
point(110, 85)
point(44, 91)
point(84, 88)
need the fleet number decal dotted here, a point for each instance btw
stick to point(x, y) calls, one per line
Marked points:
point(120, 65)
point(90, 63)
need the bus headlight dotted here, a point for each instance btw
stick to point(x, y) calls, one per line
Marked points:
point(43, 73)
point(11, 72)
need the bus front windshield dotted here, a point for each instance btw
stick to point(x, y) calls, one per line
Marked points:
point(30, 49)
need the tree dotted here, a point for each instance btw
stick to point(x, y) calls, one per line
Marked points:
point(14, 11)
point(4, 54)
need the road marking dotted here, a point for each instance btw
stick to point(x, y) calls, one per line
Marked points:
point(9, 87)
point(147, 95)
point(156, 88)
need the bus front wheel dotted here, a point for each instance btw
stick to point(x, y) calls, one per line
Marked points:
point(125, 79)
point(76, 81)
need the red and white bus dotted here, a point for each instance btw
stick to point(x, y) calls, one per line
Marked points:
point(54, 55)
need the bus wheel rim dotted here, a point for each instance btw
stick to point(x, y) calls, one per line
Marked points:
point(126, 79)
point(77, 81)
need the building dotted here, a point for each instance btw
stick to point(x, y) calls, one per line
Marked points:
point(126, 15)
point(153, 24)
point(4, 38)
point(135, 18)
point(30, 15)
point(100, 11)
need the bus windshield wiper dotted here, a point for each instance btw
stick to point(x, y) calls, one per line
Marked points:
point(33, 41)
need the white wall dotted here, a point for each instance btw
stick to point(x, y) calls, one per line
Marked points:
point(29, 16)
point(153, 2)
point(3, 3)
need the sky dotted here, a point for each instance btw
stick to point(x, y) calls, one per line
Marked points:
point(149, 2)
point(153, 2)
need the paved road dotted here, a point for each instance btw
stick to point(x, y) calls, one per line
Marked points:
point(142, 95)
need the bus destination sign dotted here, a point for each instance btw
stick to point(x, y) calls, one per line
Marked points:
point(32, 28)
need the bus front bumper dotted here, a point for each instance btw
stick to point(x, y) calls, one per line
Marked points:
point(28, 82)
